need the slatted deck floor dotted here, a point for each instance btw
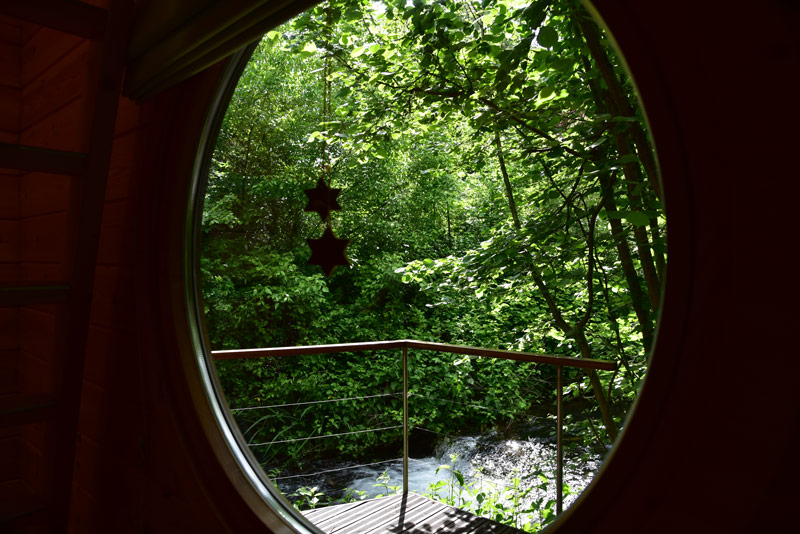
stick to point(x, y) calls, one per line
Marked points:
point(409, 513)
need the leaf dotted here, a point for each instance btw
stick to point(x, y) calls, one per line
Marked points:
point(564, 64)
point(637, 218)
point(547, 37)
point(310, 47)
point(546, 92)
point(628, 158)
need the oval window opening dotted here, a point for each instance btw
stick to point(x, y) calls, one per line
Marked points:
point(461, 202)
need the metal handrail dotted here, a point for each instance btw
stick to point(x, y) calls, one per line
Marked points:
point(405, 344)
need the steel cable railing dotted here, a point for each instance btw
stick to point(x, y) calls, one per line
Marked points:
point(404, 345)
point(337, 469)
point(234, 410)
point(337, 435)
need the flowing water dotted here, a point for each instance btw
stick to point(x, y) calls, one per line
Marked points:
point(488, 463)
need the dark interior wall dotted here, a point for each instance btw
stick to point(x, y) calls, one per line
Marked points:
point(711, 445)
point(33, 224)
point(45, 89)
point(136, 442)
point(135, 467)
point(11, 42)
point(152, 445)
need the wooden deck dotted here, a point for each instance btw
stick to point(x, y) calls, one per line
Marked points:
point(410, 513)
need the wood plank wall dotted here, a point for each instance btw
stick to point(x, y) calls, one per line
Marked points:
point(52, 80)
point(11, 43)
point(110, 312)
point(134, 468)
point(44, 103)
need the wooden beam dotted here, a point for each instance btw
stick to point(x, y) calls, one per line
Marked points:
point(19, 507)
point(160, 58)
point(35, 159)
point(106, 66)
point(20, 409)
point(69, 16)
point(25, 293)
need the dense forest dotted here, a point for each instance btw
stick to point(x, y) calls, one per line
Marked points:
point(498, 188)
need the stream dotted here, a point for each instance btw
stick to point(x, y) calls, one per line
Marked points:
point(488, 462)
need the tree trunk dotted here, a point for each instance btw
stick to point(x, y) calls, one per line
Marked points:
point(449, 230)
point(512, 206)
point(586, 352)
point(640, 303)
point(615, 102)
point(597, 388)
point(575, 332)
point(632, 180)
point(591, 35)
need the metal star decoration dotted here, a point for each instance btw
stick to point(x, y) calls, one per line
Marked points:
point(328, 251)
point(322, 199)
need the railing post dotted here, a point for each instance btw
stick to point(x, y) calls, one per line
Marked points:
point(559, 450)
point(405, 420)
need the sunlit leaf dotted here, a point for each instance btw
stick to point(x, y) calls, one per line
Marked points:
point(547, 37)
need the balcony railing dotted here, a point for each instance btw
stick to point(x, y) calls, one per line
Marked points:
point(405, 344)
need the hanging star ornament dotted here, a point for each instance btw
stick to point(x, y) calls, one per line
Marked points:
point(322, 199)
point(328, 251)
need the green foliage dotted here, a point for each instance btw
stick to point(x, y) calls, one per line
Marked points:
point(506, 505)
point(494, 171)
point(383, 481)
point(307, 498)
point(509, 505)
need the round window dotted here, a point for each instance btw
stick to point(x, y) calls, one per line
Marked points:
point(431, 247)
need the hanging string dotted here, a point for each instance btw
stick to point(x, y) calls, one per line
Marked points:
point(329, 250)
point(326, 90)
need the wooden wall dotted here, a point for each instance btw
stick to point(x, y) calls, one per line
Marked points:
point(130, 471)
point(714, 440)
point(43, 105)
point(11, 43)
point(47, 85)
